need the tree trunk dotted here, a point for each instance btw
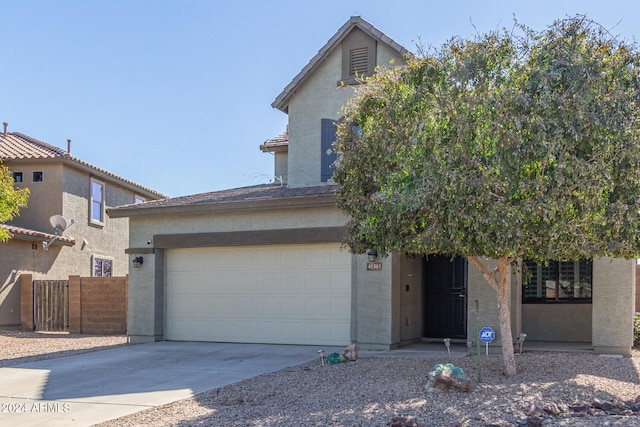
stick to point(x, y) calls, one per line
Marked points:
point(499, 281)
point(504, 315)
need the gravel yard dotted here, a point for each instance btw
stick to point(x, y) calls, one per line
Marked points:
point(23, 347)
point(373, 390)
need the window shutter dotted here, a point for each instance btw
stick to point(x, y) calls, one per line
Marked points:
point(328, 152)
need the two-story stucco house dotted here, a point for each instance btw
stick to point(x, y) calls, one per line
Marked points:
point(61, 184)
point(265, 264)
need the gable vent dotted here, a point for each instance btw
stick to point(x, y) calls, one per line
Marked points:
point(359, 61)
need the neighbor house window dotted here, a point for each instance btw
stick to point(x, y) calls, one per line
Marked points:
point(557, 281)
point(102, 267)
point(38, 177)
point(17, 177)
point(97, 201)
point(328, 151)
point(138, 199)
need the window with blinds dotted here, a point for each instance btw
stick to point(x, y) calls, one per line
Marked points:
point(557, 281)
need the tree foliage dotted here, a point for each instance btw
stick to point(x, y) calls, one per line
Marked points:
point(514, 144)
point(11, 200)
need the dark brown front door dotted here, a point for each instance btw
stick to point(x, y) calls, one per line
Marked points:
point(445, 297)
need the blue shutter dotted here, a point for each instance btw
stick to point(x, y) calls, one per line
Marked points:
point(328, 152)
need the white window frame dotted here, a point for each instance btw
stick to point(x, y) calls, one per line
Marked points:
point(92, 220)
point(95, 258)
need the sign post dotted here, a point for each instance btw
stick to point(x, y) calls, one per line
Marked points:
point(486, 336)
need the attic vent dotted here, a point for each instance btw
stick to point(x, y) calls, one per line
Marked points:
point(359, 61)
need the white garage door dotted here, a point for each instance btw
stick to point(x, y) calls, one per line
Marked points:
point(295, 294)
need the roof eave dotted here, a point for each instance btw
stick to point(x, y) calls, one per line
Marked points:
point(226, 207)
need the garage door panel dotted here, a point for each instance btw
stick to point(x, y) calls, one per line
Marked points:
point(298, 294)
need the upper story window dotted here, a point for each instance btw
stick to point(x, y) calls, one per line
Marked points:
point(327, 149)
point(557, 281)
point(38, 176)
point(97, 201)
point(17, 177)
point(138, 199)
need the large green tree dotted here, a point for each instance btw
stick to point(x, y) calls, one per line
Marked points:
point(11, 200)
point(516, 144)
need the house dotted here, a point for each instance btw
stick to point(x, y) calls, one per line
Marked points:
point(265, 264)
point(61, 184)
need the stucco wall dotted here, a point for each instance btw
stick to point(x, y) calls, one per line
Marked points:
point(557, 322)
point(44, 198)
point(613, 305)
point(319, 98)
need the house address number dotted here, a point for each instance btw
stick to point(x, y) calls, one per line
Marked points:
point(375, 266)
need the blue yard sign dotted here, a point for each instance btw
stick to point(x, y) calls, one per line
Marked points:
point(486, 336)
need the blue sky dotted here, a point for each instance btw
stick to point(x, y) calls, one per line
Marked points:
point(176, 95)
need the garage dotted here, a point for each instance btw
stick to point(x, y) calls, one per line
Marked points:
point(277, 294)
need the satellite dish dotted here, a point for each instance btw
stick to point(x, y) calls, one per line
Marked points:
point(58, 222)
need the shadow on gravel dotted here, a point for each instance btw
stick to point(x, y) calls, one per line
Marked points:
point(5, 363)
point(372, 391)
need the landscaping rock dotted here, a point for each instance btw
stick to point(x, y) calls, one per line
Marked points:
point(447, 377)
point(402, 422)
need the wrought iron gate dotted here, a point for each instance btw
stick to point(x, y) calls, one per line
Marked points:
point(51, 305)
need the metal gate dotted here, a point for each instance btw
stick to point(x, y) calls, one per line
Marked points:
point(51, 305)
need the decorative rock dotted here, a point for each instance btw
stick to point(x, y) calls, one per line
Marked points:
point(351, 352)
point(578, 407)
point(534, 411)
point(637, 399)
point(534, 421)
point(552, 409)
point(402, 422)
point(627, 413)
point(602, 404)
point(447, 377)
point(595, 412)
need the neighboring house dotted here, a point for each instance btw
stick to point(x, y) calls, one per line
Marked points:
point(265, 264)
point(61, 184)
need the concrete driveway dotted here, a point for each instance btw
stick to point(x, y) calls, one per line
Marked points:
point(91, 388)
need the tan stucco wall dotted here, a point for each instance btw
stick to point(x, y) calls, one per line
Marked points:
point(557, 322)
point(613, 305)
point(44, 199)
point(319, 98)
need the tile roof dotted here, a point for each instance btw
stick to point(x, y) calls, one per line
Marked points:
point(282, 101)
point(33, 235)
point(278, 143)
point(279, 194)
point(17, 146)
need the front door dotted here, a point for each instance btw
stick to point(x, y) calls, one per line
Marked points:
point(445, 297)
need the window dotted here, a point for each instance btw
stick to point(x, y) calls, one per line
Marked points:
point(97, 201)
point(557, 281)
point(17, 177)
point(138, 199)
point(102, 267)
point(328, 151)
point(38, 177)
